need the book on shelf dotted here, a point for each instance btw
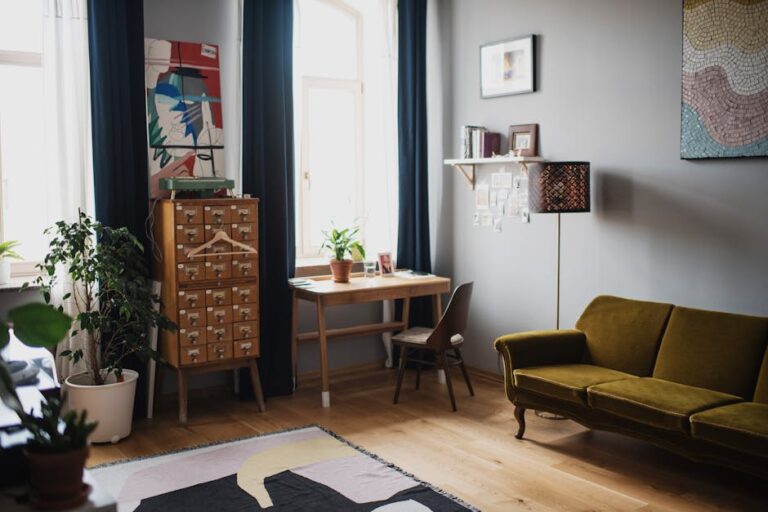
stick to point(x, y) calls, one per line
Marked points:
point(490, 144)
point(471, 145)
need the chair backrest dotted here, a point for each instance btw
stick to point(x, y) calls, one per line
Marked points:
point(454, 320)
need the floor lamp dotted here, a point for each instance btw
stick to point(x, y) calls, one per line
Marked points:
point(558, 187)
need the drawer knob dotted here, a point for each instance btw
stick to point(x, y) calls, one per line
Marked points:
point(192, 318)
point(190, 215)
point(220, 316)
point(244, 295)
point(243, 212)
point(245, 269)
point(191, 234)
point(193, 354)
point(191, 272)
point(218, 216)
point(218, 271)
point(192, 300)
point(245, 330)
point(218, 299)
point(245, 313)
point(219, 334)
point(193, 336)
point(220, 352)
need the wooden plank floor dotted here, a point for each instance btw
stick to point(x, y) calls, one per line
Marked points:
point(472, 453)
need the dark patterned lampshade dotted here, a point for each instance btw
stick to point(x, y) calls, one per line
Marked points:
point(559, 187)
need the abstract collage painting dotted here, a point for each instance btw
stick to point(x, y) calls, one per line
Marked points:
point(725, 79)
point(185, 130)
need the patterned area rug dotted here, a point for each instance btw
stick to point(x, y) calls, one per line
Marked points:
point(309, 468)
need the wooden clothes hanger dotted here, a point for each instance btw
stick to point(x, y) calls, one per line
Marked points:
point(219, 237)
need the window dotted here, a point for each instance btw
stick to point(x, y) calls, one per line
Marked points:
point(344, 123)
point(22, 192)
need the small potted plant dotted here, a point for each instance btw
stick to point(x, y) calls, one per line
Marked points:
point(340, 243)
point(58, 449)
point(112, 295)
point(7, 253)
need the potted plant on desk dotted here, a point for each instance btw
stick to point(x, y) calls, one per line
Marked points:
point(58, 448)
point(107, 281)
point(340, 243)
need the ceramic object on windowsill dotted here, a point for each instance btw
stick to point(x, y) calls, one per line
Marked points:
point(5, 271)
point(341, 269)
point(7, 253)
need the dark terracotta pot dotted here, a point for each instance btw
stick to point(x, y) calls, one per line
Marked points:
point(341, 270)
point(57, 478)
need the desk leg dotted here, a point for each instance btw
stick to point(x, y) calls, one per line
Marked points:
point(325, 395)
point(437, 313)
point(406, 312)
point(294, 342)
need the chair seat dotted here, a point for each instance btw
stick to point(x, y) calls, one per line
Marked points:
point(743, 427)
point(565, 381)
point(655, 402)
point(420, 335)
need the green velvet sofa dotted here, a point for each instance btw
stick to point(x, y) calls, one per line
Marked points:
point(688, 380)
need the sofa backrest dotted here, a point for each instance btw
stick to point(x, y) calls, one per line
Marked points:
point(624, 334)
point(761, 390)
point(708, 349)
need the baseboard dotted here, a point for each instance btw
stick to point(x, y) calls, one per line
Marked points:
point(485, 374)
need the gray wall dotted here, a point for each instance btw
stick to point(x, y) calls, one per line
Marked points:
point(689, 232)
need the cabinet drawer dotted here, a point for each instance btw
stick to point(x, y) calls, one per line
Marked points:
point(243, 213)
point(243, 313)
point(218, 297)
point(190, 234)
point(216, 333)
point(246, 348)
point(217, 215)
point(218, 315)
point(210, 230)
point(242, 330)
point(244, 232)
point(193, 355)
point(191, 299)
point(189, 337)
point(188, 214)
point(248, 294)
point(182, 252)
point(192, 317)
point(214, 252)
point(244, 268)
point(248, 255)
point(189, 272)
point(218, 269)
point(219, 351)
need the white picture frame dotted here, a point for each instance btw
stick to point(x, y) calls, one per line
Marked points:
point(508, 67)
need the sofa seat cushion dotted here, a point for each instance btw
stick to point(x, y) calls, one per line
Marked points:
point(655, 402)
point(565, 381)
point(742, 426)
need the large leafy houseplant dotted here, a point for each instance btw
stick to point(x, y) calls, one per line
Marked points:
point(109, 286)
point(342, 242)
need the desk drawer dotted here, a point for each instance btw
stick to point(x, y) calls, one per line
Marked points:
point(218, 315)
point(246, 348)
point(192, 317)
point(191, 299)
point(190, 234)
point(219, 351)
point(244, 312)
point(188, 214)
point(246, 294)
point(244, 232)
point(191, 337)
point(193, 355)
point(218, 333)
point(218, 269)
point(217, 215)
point(218, 297)
point(242, 330)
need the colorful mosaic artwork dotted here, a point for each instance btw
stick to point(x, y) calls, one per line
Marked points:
point(725, 79)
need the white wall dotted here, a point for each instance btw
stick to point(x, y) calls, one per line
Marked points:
point(689, 232)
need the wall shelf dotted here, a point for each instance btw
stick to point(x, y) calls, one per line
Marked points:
point(466, 166)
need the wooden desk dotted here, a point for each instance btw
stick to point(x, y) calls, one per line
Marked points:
point(325, 293)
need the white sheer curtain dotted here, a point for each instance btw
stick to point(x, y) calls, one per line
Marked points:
point(67, 133)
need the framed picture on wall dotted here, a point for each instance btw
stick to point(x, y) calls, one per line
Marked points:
point(507, 67)
point(524, 139)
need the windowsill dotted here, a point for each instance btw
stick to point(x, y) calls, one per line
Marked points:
point(17, 282)
point(306, 267)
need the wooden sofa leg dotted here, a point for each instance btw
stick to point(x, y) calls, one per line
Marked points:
point(520, 417)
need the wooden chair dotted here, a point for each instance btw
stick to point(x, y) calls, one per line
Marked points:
point(444, 341)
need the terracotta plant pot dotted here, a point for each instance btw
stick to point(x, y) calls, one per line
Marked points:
point(57, 479)
point(341, 270)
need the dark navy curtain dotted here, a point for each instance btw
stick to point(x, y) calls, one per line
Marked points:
point(268, 175)
point(413, 249)
point(116, 52)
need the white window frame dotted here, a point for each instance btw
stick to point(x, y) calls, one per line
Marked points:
point(29, 59)
point(304, 248)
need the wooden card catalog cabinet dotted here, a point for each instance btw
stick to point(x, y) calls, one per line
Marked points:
point(209, 269)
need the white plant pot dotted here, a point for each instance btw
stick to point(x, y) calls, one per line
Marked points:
point(5, 271)
point(110, 404)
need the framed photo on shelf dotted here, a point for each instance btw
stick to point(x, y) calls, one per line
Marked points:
point(524, 139)
point(508, 67)
point(386, 266)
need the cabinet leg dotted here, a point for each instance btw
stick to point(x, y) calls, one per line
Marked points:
point(183, 397)
point(256, 383)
